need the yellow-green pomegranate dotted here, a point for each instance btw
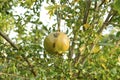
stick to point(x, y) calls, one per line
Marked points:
point(56, 42)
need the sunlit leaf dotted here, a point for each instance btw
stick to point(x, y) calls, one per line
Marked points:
point(86, 26)
point(107, 1)
point(29, 2)
point(51, 9)
point(95, 49)
point(103, 65)
point(103, 59)
point(118, 58)
point(82, 48)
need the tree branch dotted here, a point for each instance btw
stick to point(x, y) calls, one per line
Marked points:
point(95, 13)
point(71, 50)
point(107, 21)
point(88, 3)
point(95, 5)
point(8, 39)
point(101, 3)
point(77, 59)
point(104, 24)
point(14, 46)
point(31, 67)
point(58, 19)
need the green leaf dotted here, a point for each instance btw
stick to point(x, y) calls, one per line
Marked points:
point(118, 34)
point(51, 9)
point(117, 5)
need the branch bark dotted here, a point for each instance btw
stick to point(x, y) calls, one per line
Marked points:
point(8, 40)
point(88, 3)
point(107, 21)
point(30, 65)
point(58, 19)
point(103, 1)
point(71, 51)
point(16, 47)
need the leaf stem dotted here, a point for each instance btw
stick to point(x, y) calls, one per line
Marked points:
point(58, 19)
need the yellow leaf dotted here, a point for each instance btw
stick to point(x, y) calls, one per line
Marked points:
point(51, 9)
point(74, 1)
point(95, 49)
point(118, 58)
point(106, 1)
point(118, 63)
point(102, 59)
point(103, 65)
point(82, 48)
point(86, 26)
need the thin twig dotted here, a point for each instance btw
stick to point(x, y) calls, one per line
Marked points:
point(13, 75)
point(95, 13)
point(58, 19)
point(104, 24)
point(115, 12)
point(86, 13)
point(71, 50)
point(31, 67)
point(95, 6)
point(101, 3)
point(107, 21)
point(77, 59)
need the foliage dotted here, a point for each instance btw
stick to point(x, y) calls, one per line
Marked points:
point(93, 55)
point(116, 5)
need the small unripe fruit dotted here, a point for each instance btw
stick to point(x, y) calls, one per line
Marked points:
point(56, 42)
